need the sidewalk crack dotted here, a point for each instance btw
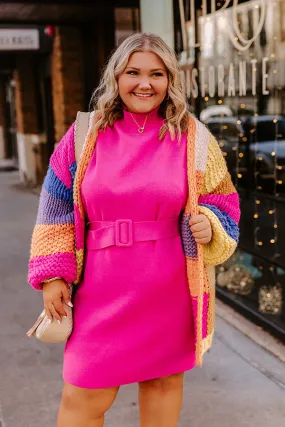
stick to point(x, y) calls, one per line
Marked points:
point(259, 368)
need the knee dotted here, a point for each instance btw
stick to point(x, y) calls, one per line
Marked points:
point(164, 384)
point(94, 402)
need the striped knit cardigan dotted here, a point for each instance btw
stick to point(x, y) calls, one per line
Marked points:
point(57, 247)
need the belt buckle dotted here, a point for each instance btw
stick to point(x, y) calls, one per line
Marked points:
point(118, 224)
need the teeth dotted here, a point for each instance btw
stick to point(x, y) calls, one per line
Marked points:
point(143, 95)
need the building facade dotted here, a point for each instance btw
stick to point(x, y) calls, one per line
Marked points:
point(233, 60)
point(51, 58)
point(232, 56)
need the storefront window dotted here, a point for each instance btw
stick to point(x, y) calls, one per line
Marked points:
point(239, 70)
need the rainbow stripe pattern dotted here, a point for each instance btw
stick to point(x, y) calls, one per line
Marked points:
point(58, 238)
point(53, 240)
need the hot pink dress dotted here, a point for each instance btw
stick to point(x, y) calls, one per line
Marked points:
point(132, 311)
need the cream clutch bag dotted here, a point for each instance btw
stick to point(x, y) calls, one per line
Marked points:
point(53, 332)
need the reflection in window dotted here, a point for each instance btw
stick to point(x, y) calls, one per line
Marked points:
point(222, 39)
point(255, 149)
point(208, 39)
point(246, 275)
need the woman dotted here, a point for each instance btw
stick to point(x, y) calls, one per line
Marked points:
point(130, 210)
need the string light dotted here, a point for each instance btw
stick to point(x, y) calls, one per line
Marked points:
point(264, 169)
point(277, 181)
point(257, 202)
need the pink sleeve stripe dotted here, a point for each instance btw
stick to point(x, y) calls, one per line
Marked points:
point(63, 157)
point(226, 203)
point(48, 266)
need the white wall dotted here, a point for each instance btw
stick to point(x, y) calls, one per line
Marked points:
point(157, 17)
point(27, 160)
point(2, 147)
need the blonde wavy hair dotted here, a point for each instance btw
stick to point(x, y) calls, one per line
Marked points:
point(106, 100)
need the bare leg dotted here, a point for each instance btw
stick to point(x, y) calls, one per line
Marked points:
point(160, 401)
point(82, 407)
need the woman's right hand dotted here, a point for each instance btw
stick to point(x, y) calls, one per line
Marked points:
point(54, 293)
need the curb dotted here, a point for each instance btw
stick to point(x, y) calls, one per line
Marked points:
point(252, 331)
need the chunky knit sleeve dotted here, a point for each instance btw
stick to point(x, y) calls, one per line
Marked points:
point(219, 201)
point(53, 241)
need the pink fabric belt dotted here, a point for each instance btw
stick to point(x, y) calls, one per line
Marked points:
point(125, 232)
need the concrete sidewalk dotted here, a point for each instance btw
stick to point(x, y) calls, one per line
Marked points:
point(239, 385)
point(7, 165)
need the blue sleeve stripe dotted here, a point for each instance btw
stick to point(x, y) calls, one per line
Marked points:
point(72, 169)
point(53, 185)
point(229, 225)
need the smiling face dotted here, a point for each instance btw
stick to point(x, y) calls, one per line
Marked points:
point(143, 83)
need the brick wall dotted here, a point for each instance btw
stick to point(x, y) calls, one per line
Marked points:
point(67, 78)
point(2, 94)
point(3, 142)
point(26, 104)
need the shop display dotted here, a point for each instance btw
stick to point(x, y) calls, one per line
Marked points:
point(236, 279)
point(270, 299)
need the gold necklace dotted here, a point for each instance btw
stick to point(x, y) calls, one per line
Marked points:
point(140, 128)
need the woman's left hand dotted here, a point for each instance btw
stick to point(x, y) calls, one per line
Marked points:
point(201, 229)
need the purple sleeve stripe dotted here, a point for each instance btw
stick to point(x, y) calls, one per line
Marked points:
point(188, 242)
point(53, 210)
point(228, 204)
